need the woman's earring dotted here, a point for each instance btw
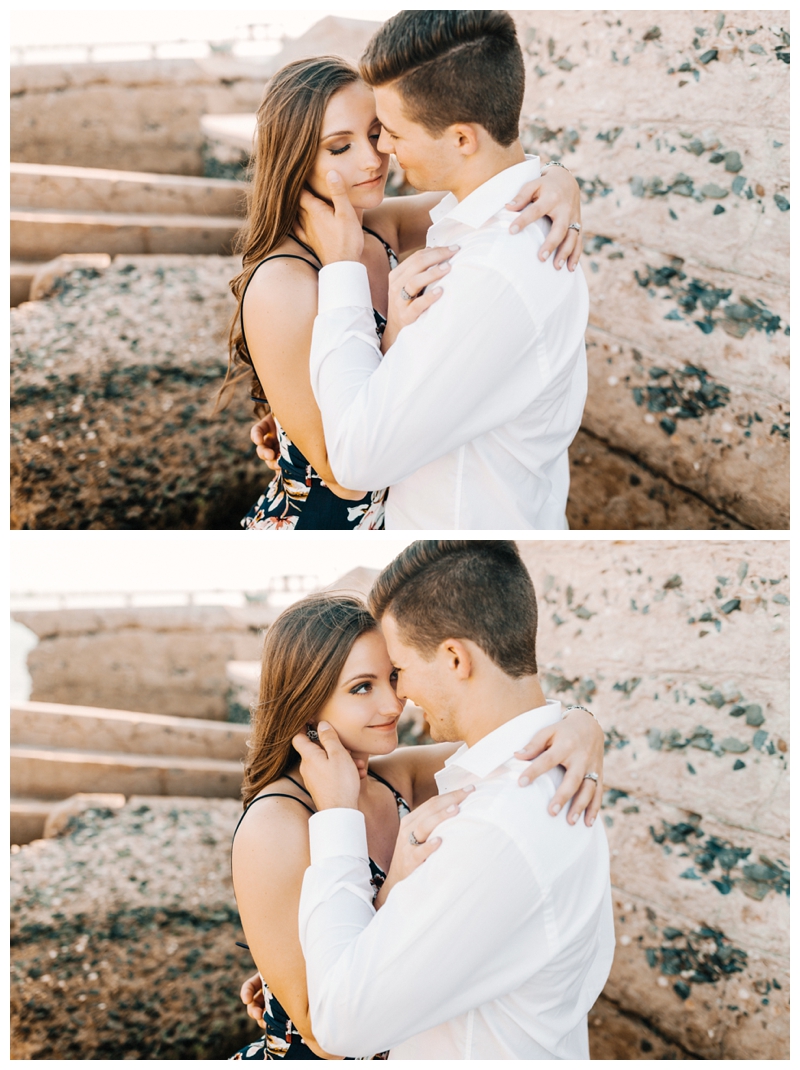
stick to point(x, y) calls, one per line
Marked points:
point(312, 733)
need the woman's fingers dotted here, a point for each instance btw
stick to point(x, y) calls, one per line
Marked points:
point(566, 247)
point(546, 761)
point(425, 818)
point(581, 801)
point(593, 809)
point(575, 255)
point(537, 745)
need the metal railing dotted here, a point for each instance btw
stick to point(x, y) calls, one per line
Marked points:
point(257, 40)
point(279, 592)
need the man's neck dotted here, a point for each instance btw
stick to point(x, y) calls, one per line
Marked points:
point(485, 165)
point(496, 705)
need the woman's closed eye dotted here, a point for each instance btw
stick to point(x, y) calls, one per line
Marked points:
point(338, 152)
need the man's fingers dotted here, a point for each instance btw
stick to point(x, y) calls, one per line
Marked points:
point(303, 745)
point(336, 188)
point(329, 738)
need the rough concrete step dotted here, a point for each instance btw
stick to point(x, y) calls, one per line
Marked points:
point(53, 773)
point(97, 189)
point(28, 817)
point(50, 724)
point(22, 272)
point(44, 233)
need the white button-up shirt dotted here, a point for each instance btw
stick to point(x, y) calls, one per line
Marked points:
point(496, 947)
point(469, 415)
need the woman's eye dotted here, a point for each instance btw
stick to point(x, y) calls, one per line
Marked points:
point(361, 689)
point(338, 152)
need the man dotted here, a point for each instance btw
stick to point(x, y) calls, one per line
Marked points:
point(498, 944)
point(469, 415)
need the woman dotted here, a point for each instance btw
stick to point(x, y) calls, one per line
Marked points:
point(316, 113)
point(324, 658)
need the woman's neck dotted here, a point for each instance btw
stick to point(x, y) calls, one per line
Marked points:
point(296, 775)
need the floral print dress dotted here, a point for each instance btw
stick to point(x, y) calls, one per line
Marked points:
point(298, 497)
point(281, 1039)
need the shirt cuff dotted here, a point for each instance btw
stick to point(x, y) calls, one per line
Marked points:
point(337, 832)
point(343, 285)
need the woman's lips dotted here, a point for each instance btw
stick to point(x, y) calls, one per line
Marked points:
point(383, 727)
point(370, 182)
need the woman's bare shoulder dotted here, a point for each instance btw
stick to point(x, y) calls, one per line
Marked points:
point(285, 275)
point(279, 813)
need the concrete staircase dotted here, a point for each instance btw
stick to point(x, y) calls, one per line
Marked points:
point(58, 751)
point(57, 210)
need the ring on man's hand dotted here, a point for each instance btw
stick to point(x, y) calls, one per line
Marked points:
point(412, 839)
point(406, 295)
point(592, 776)
point(574, 226)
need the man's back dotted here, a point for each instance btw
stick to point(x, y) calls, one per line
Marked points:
point(566, 952)
point(533, 320)
point(469, 415)
point(496, 947)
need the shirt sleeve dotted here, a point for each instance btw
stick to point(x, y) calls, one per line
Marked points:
point(447, 939)
point(472, 362)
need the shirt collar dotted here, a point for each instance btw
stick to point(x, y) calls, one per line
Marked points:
point(483, 757)
point(488, 199)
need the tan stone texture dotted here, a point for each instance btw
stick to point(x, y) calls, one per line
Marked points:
point(663, 636)
point(166, 661)
point(114, 380)
point(145, 116)
point(123, 936)
point(601, 97)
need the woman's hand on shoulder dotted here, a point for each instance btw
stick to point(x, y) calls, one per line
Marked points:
point(407, 281)
point(556, 195)
point(415, 842)
point(577, 742)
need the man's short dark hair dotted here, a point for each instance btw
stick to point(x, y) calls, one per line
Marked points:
point(439, 589)
point(452, 67)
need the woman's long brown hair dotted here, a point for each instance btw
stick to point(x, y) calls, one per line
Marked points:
point(289, 131)
point(304, 653)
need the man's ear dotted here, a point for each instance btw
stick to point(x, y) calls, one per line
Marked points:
point(459, 658)
point(466, 138)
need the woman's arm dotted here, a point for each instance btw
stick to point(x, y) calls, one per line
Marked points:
point(279, 311)
point(270, 856)
point(404, 221)
point(576, 741)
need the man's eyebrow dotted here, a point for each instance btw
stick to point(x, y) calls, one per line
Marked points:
point(360, 676)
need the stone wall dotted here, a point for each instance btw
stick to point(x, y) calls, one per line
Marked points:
point(145, 116)
point(114, 380)
point(676, 123)
point(165, 660)
point(682, 650)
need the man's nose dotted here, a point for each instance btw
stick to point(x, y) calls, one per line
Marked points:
point(385, 143)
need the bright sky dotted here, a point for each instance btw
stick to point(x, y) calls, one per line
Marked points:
point(63, 27)
point(176, 561)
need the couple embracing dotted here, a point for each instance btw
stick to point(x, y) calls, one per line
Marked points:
point(430, 902)
point(452, 374)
